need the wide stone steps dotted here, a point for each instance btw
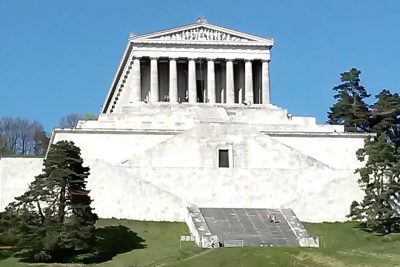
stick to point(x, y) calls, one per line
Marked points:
point(246, 227)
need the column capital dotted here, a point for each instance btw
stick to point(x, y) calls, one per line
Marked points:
point(173, 58)
point(248, 60)
point(265, 60)
point(154, 58)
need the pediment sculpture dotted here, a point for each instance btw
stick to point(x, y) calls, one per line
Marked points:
point(202, 34)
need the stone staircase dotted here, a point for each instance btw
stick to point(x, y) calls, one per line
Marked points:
point(231, 227)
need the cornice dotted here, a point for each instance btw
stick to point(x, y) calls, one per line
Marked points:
point(202, 43)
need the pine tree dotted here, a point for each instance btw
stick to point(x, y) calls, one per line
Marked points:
point(350, 109)
point(380, 178)
point(54, 215)
point(386, 115)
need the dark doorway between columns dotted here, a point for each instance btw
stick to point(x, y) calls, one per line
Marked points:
point(163, 79)
point(201, 80)
point(238, 74)
point(182, 73)
point(257, 81)
point(145, 78)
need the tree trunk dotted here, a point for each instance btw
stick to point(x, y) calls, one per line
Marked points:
point(61, 206)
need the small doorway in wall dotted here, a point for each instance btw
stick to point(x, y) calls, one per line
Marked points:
point(223, 158)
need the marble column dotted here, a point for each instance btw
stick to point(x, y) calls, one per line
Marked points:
point(135, 95)
point(173, 81)
point(211, 81)
point(266, 98)
point(154, 95)
point(248, 84)
point(230, 88)
point(240, 96)
point(192, 81)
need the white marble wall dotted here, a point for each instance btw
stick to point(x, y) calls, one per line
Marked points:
point(108, 147)
point(162, 194)
point(15, 176)
point(152, 161)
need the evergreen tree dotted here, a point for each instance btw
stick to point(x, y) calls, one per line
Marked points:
point(380, 178)
point(386, 115)
point(350, 109)
point(54, 215)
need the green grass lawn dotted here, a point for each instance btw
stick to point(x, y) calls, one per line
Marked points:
point(342, 244)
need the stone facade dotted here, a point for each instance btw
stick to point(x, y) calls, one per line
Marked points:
point(188, 121)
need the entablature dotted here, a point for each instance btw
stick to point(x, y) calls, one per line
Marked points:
point(206, 52)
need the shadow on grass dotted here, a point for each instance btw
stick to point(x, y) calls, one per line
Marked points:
point(361, 226)
point(111, 241)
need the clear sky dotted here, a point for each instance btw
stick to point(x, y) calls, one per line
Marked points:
point(59, 57)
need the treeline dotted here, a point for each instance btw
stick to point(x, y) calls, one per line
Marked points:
point(379, 211)
point(23, 137)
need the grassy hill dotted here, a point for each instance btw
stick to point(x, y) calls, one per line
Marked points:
point(342, 244)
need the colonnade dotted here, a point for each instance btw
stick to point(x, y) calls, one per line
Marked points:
point(135, 94)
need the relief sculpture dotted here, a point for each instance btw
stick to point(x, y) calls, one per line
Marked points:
point(202, 34)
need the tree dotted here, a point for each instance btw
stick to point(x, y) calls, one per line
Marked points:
point(350, 109)
point(386, 115)
point(89, 117)
point(71, 120)
point(4, 150)
point(9, 131)
point(41, 141)
point(55, 215)
point(380, 178)
point(22, 137)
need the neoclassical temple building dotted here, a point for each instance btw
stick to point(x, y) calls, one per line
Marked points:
point(198, 63)
point(188, 122)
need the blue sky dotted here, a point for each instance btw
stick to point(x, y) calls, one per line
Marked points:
point(59, 57)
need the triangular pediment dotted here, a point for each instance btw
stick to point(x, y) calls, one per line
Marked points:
point(202, 32)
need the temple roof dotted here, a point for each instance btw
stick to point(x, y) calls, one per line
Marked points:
point(201, 32)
